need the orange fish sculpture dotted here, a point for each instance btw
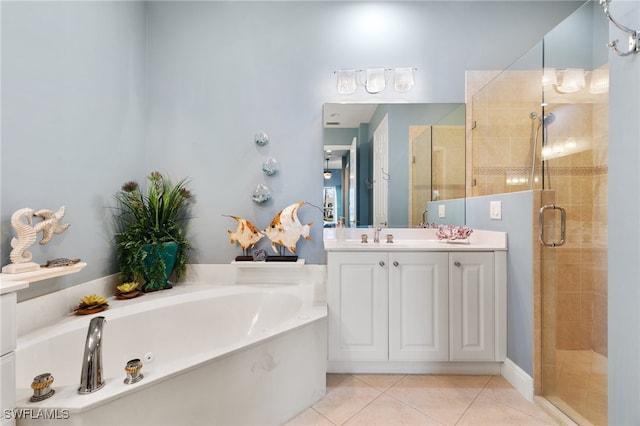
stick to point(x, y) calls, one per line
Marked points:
point(285, 229)
point(247, 235)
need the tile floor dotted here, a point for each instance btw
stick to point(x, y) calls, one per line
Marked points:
point(362, 399)
point(581, 385)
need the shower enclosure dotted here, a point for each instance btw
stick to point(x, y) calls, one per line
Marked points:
point(542, 126)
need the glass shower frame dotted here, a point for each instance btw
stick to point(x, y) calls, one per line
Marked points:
point(541, 125)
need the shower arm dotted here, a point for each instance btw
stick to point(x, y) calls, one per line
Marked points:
point(634, 36)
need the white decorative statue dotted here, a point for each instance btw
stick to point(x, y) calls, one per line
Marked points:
point(50, 224)
point(26, 234)
point(286, 229)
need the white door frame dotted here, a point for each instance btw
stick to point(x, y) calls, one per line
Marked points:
point(381, 173)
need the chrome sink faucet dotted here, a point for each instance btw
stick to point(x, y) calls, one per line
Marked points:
point(91, 374)
point(376, 234)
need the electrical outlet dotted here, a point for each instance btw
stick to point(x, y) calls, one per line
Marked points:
point(441, 211)
point(495, 210)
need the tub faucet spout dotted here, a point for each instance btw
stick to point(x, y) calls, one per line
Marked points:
point(91, 374)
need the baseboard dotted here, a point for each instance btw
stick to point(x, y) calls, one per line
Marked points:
point(415, 367)
point(518, 378)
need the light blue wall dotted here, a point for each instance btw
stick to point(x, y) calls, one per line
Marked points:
point(238, 67)
point(454, 212)
point(96, 93)
point(400, 118)
point(74, 85)
point(73, 121)
point(517, 219)
point(624, 225)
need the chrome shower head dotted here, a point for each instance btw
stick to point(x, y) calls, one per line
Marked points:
point(545, 119)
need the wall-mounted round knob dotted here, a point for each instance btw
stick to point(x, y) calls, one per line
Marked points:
point(458, 264)
point(40, 386)
point(381, 263)
point(395, 263)
point(132, 369)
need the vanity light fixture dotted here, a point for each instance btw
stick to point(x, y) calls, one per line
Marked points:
point(374, 80)
point(346, 81)
point(403, 79)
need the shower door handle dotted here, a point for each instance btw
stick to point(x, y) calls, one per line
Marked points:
point(563, 225)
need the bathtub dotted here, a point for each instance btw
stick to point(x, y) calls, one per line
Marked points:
point(223, 354)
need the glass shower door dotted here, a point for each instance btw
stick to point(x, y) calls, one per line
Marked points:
point(574, 266)
point(573, 275)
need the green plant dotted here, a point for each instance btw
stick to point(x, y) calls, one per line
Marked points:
point(154, 217)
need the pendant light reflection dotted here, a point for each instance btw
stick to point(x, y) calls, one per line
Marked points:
point(572, 81)
point(599, 81)
point(327, 173)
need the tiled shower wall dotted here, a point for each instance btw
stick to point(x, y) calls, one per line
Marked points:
point(500, 136)
point(447, 171)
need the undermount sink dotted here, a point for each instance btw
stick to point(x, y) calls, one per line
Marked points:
point(383, 244)
point(409, 239)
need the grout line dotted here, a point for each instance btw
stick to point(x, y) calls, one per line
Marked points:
point(324, 417)
point(368, 403)
point(474, 400)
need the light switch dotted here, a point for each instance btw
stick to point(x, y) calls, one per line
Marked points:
point(495, 210)
point(441, 211)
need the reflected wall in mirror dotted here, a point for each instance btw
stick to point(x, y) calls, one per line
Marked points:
point(389, 161)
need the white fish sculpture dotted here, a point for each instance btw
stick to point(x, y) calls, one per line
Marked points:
point(247, 235)
point(285, 229)
point(50, 224)
point(26, 236)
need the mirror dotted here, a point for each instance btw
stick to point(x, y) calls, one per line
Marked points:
point(387, 162)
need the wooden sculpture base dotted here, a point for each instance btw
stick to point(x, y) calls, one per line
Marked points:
point(281, 259)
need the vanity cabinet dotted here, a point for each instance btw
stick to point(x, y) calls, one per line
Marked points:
point(407, 311)
point(472, 316)
point(418, 309)
point(357, 299)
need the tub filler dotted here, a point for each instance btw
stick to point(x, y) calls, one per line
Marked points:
point(212, 355)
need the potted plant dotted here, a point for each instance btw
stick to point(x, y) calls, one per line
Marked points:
point(150, 238)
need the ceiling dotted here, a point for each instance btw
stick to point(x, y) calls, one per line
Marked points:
point(347, 116)
point(343, 116)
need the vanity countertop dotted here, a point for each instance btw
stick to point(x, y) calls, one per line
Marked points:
point(410, 239)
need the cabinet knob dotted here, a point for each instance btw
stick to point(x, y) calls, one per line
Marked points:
point(395, 263)
point(381, 263)
point(458, 264)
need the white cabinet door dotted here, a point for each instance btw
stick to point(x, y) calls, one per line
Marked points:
point(357, 299)
point(472, 306)
point(418, 306)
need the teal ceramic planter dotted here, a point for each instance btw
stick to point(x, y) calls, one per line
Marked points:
point(159, 256)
